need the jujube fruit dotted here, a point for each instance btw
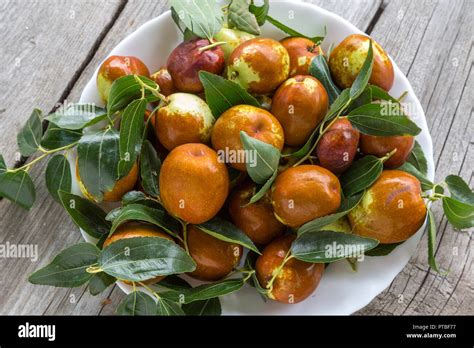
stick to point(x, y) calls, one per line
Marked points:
point(259, 65)
point(391, 210)
point(193, 183)
point(185, 118)
point(163, 78)
point(303, 193)
point(301, 51)
point(214, 258)
point(118, 66)
point(300, 104)
point(347, 59)
point(296, 280)
point(257, 123)
point(232, 38)
point(338, 146)
point(256, 220)
point(190, 57)
point(380, 146)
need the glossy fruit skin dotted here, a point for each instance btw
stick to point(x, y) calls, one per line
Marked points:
point(186, 60)
point(214, 258)
point(297, 279)
point(347, 59)
point(392, 210)
point(185, 119)
point(338, 146)
point(257, 123)
point(303, 193)
point(300, 104)
point(259, 65)
point(193, 183)
point(255, 220)
point(118, 66)
point(301, 52)
point(233, 39)
point(380, 146)
point(163, 78)
point(122, 186)
point(133, 230)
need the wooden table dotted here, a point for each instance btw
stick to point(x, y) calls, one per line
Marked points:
point(49, 50)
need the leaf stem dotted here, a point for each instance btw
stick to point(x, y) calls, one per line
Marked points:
point(93, 269)
point(388, 155)
point(154, 91)
point(277, 271)
point(212, 45)
point(185, 235)
point(154, 293)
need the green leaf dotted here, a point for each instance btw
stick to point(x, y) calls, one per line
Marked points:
point(266, 158)
point(56, 137)
point(133, 197)
point(204, 292)
point(260, 12)
point(380, 94)
point(459, 214)
point(99, 282)
point(131, 133)
point(263, 189)
point(228, 232)
point(139, 212)
point(361, 175)
point(18, 187)
point(77, 116)
point(363, 99)
point(317, 224)
point(382, 120)
point(126, 89)
point(459, 189)
point(417, 159)
point(29, 137)
point(240, 17)
point(208, 307)
point(362, 79)
point(142, 258)
point(426, 183)
point(68, 268)
point(137, 303)
point(319, 68)
point(58, 176)
point(85, 214)
point(3, 166)
point(382, 249)
point(204, 17)
point(293, 33)
point(166, 307)
point(329, 246)
point(431, 230)
point(222, 94)
point(174, 282)
point(150, 166)
point(98, 157)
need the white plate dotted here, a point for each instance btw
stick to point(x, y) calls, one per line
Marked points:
point(341, 291)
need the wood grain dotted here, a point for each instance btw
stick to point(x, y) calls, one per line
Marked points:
point(418, 41)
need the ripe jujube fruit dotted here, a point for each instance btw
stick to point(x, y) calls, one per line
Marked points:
point(259, 65)
point(256, 220)
point(190, 57)
point(137, 229)
point(338, 146)
point(121, 187)
point(391, 210)
point(257, 123)
point(163, 78)
point(118, 66)
point(214, 258)
point(295, 281)
point(303, 193)
point(193, 183)
point(347, 59)
point(300, 104)
point(185, 118)
point(301, 51)
point(380, 146)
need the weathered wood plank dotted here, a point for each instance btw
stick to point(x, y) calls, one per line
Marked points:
point(43, 47)
point(434, 49)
